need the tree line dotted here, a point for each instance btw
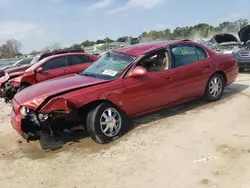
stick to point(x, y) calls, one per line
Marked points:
point(202, 30)
point(10, 49)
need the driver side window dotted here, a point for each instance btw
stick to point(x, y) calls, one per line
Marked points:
point(55, 63)
point(155, 62)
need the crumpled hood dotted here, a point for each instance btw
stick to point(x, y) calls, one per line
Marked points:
point(33, 96)
point(3, 69)
point(244, 34)
point(17, 69)
point(9, 76)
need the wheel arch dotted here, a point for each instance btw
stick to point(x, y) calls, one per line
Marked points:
point(221, 73)
point(89, 106)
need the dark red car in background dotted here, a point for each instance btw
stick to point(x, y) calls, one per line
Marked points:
point(14, 72)
point(48, 68)
point(39, 57)
point(123, 83)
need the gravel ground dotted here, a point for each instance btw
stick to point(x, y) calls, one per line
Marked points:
point(192, 145)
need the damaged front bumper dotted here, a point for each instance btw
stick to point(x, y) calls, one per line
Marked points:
point(29, 127)
point(33, 125)
point(50, 118)
point(7, 91)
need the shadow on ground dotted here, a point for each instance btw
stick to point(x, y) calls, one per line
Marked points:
point(54, 143)
point(78, 141)
point(181, 109)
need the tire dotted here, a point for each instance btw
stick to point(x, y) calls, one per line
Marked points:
point(241, 69)
point(98, 132)
point(211, 94)
point(22, 88)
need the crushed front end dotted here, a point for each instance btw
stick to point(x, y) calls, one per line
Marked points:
point(31, 124)
point(25, 122)
point(8, 91)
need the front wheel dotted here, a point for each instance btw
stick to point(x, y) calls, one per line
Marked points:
point(215, 88)
point(105, 123)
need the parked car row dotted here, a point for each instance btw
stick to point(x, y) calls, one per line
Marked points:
point(123, 83)
point(43, 67)
point(228, 43)
point(19, 63)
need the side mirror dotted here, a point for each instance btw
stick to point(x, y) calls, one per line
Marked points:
point(39, 70)
point(138, 72)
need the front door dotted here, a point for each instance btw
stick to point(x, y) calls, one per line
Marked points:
point(149, 92)
point(53, 68)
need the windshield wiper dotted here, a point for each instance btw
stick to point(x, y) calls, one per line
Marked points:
point(86, 74)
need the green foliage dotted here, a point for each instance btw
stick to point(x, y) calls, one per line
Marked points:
point(201, 30)
point(123, 39)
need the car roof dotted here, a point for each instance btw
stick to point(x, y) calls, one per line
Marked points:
point(38, 64)
point(144, 48)
point(66, 54)
point(65, 51)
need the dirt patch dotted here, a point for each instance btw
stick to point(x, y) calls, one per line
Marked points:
point(197, 144)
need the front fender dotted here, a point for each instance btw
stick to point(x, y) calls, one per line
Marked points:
point(57, 104)
point(15, 82)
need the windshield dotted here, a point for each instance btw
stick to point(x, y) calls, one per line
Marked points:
point(35, 59)
point(35, 65)
point(16, 63)
point(110, 66)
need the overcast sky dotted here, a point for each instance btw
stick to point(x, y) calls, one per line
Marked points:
point(39, 23)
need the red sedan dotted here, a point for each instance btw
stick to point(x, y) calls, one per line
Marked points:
point(48, 68)
point(125, 82)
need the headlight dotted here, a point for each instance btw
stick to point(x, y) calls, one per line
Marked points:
point(24, 111)
point(43, 117)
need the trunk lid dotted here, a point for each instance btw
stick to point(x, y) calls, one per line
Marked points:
point(244, 34)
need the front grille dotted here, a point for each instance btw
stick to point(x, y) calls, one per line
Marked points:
point(245, 54)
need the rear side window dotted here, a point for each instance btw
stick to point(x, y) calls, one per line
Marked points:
point(55, 63)
point(201, 52)
point(184, 54)
point(44, 56)
point(25, 61)
point(79, 59)
point(86, 58)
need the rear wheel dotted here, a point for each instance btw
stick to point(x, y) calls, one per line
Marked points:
point(105, 123)
point(215, 88)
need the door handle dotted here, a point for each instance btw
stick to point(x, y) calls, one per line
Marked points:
point(168, 77)
point(208, 66)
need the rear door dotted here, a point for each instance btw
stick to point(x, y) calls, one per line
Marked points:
point(78, 63)
point(191, 67)
point(53, 68)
